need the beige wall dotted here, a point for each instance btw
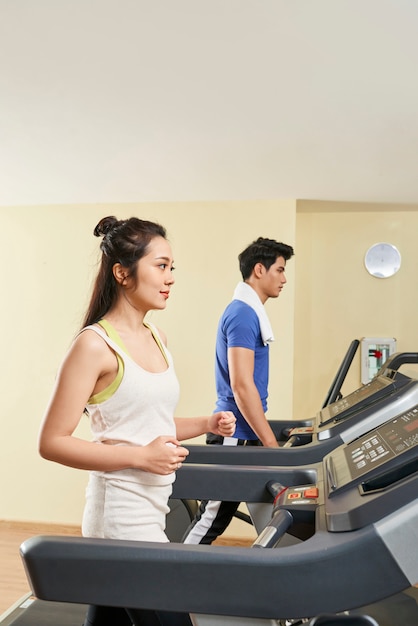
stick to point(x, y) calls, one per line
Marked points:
point(48, 255)
point(49, 258)
point(336, 300)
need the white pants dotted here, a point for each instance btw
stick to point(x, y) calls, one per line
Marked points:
point(119, 509)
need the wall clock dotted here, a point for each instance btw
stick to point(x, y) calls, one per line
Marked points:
point(382, 260)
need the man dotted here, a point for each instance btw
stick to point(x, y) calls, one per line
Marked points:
point(242, 368)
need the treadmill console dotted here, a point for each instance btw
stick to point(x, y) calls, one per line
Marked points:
point(381, 449)
point(373, 475)
point(384, 444)
point(367, 395)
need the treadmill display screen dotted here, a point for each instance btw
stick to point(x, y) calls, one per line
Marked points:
point(412, 426)
point(384, 443)
point(349, 404)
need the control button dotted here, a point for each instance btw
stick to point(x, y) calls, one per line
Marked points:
point(294, 495)
point(301, 431)
point(312, 492)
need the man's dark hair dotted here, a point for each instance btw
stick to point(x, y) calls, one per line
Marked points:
point(264, 251)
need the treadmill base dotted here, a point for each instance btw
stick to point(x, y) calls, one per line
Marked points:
point(401, 608)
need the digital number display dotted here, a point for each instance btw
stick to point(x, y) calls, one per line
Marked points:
point(411, 426)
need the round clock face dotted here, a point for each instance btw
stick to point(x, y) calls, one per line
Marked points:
point(382, 260)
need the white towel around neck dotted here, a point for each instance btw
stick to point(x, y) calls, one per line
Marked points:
point(247, 294)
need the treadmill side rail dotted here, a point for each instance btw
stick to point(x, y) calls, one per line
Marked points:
point(176, 577)
point(404, 549)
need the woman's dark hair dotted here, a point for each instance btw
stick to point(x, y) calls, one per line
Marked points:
point(264, 251)
point(124, 242)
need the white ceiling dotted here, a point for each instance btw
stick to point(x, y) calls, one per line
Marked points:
point(166, 100)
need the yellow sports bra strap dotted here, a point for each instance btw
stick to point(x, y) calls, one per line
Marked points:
point(111, 332)
point(105, 394)
point(114, 335)
point(158, 342)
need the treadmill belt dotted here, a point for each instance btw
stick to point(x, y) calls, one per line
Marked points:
point(42, 613)
point(398, 610)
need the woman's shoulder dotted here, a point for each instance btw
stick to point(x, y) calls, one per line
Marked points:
point(92, 338)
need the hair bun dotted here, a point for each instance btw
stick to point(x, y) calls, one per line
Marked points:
point(105, 225)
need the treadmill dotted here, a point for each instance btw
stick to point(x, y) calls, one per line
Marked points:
point(355, 514)
point(341, 421)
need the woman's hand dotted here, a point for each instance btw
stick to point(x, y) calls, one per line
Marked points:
point(164, 455)
point(222, 423)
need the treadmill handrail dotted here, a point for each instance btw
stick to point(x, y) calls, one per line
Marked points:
point(335, 389)
point(177, 577)
point(397, 359)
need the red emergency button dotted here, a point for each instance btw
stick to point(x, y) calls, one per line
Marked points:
point(312, 492)
point(301, 431)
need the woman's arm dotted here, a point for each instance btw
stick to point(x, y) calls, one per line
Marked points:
point(86, 365)
point(222, 423)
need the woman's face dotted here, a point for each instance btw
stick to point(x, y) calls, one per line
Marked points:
point(154, 276)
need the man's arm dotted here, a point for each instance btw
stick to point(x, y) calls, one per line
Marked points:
point(241, 374)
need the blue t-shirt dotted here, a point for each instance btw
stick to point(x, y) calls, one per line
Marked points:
point(239, 327)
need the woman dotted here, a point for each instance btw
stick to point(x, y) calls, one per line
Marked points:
point(119, 371)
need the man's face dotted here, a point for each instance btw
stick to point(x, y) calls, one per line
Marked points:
point(274, 279)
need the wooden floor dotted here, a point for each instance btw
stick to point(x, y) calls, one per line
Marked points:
point(13, 582)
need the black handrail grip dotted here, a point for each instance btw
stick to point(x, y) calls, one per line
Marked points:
point(334, 391)
point(397, 359)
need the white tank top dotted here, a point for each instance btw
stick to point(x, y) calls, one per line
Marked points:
point(140, 409)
